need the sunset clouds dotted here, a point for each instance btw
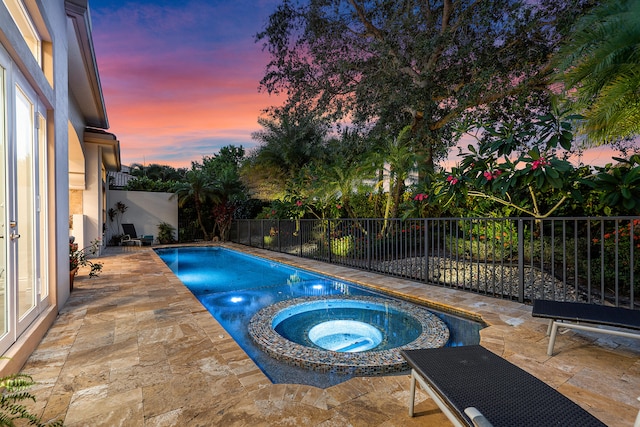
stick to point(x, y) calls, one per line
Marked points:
point(180, 79)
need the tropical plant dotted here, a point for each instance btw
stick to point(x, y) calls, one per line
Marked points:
point(617, 264)
point(115, 218)
point(600, 66)
point(289, 141)
point(484, 239)
point(200, 188)
point(619, 185)
point(80, 257)
point(165, 233)
point(395, 159)
point(534, 181)
point(14, 391)
point(342, 246)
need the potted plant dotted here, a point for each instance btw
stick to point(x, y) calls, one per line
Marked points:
point(165, 233)
point(78, 258)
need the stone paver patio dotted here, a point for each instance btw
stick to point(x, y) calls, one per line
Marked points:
point(135, 348)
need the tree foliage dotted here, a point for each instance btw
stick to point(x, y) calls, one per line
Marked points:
point(213, 187)
point(386, 64)
point(288, 142)
point(601, 62)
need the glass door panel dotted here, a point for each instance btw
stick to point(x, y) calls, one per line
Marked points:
point(3, 209)
point(43, 241)
point(25, 185)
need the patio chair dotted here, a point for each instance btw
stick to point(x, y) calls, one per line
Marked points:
point(586, 317)
point(475, 387)
point(130, 236)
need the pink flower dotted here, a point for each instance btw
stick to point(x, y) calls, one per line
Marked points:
point(539, 163)
point(338, 206)
point(452, 180)
point(299, 203)
point(420, 197)
point(492, 175)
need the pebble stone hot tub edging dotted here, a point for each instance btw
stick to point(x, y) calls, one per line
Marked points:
point(435, 333)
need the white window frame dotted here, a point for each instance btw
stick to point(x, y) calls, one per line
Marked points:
point(23, 21)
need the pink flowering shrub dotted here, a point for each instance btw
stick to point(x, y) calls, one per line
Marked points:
point(615, 246)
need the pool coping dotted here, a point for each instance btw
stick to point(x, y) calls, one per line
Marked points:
point(434, 333)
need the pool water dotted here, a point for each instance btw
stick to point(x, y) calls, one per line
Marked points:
point(400, 328)
point(234, 286)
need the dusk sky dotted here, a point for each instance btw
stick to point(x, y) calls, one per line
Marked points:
point(180, 78)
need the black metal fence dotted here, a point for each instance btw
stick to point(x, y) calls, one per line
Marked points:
point(595, 260)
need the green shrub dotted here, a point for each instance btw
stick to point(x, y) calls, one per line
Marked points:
point(342, 246)
point(165, 233)
point(615, 248)
point(484, 239)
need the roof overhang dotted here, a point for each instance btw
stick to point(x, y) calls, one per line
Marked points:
point(110, 147)
point(84, 80)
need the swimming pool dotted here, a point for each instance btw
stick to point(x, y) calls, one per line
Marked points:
point(234, 286)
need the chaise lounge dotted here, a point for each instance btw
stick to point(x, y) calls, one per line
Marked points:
point(475, 387)
point(586, 317)
point(131, 237)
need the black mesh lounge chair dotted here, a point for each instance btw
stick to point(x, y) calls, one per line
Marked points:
point(493, 391)
point(587, 317)
point(130, 236)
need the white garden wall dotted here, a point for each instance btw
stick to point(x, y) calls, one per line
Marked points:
point(145, 210)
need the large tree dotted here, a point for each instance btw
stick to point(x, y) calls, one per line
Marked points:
point(425, 63)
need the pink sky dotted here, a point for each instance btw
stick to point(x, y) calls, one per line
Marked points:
point(180, 78)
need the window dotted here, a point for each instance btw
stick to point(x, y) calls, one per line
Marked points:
point(25, 25)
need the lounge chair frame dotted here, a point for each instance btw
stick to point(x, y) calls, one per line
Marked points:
point(130, 236)
point(475, 387)
point(586, 317)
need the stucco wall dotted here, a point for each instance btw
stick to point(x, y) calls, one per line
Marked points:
point(145, 210)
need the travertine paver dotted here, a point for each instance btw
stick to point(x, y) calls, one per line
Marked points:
point(135, 348)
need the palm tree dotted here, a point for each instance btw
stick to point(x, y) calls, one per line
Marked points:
point(199, 187)
point(601, 62)
point(227, 187)
point(288, 143)
point(395, 159)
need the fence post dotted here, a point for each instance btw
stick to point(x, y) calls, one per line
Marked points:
point(329, 239)
point(369, 242)
point(520, 260)
point(425, 224)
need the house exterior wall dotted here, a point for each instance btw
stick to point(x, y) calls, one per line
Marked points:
point(52, 14)
point(66, 119)
point(92, 197)
point(145, 210)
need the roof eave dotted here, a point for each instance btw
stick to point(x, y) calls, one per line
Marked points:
point(83, 71)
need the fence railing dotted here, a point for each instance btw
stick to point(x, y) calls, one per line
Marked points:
point(594, 260)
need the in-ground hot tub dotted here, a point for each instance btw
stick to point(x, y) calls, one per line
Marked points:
point(357, 335)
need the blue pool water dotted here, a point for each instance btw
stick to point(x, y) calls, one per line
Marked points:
point(234, 286)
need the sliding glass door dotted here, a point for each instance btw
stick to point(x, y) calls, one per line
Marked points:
point(4, 237)
point(23, 280)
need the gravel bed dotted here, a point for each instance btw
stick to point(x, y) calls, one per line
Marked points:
point(489, 278)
